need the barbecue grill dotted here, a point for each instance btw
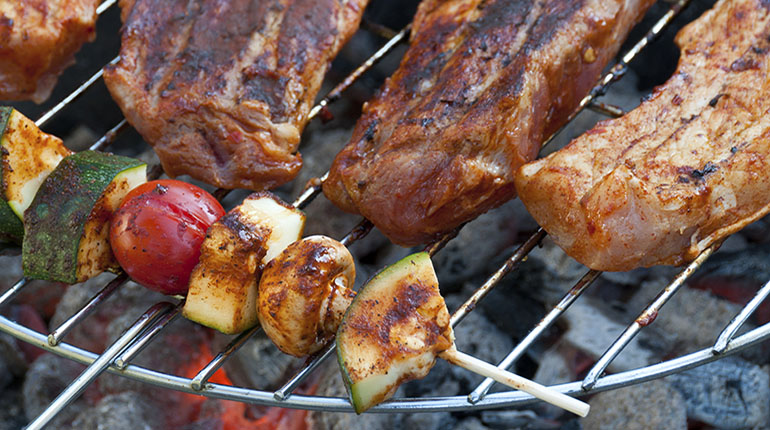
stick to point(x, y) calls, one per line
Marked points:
point(117, 358)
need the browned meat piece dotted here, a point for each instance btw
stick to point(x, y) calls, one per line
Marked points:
point(222, 89)
point(38, 40)
point(482, 85)
point(682, 171)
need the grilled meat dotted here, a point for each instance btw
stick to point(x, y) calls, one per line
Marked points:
point(38, 40)
point(483, 83)
point(222, 90)
point(683, 170)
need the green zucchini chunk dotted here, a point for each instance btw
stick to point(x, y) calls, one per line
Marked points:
point(393, 331)
point(27, 157)
point(67, 224)
point(224, 284)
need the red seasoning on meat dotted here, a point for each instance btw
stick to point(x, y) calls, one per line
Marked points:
point(38, 40)
point(682, 171)
point(483, 83)
point(222, 89)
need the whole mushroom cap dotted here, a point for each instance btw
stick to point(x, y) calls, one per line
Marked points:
point(304, 292)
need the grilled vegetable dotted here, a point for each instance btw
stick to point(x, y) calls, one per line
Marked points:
point(66, 225)
point(157, 232)
point(223, 286)
point(304, 292)
point(285, 221)
point(392, 331)
point(28, 155)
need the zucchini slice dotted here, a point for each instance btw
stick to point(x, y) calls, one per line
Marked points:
point(66, 237)
point(27, 157)
point(224, 284)
point(393, 331)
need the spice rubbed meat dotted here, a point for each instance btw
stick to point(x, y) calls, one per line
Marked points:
point(683, 170)
point(38, 40)
point(483, 83)
point(222, 90)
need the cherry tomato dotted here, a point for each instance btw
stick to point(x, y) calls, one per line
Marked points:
point(157, 231)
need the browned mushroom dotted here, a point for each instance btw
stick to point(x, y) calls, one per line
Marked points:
point(304, 292)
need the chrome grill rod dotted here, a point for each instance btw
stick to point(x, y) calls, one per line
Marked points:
point(98, 366)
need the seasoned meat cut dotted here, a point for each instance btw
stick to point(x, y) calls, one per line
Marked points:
point(222, 89)
point(38, 40)
point(682, 171)
point(483, 83)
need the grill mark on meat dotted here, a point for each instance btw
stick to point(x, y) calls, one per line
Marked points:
point(311, 24)
point(490, 77)
point(222, 89)
point(160, 48)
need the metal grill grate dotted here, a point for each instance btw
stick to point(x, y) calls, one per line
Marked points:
point(117, 358)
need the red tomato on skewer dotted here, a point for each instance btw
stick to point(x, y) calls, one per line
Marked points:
point(157, 231)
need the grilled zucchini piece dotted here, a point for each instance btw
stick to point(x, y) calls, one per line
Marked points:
point(27, 157)
point(392, 331)
point(223, 286)
point(66, 237)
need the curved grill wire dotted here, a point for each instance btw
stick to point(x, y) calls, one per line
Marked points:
point(117, 358)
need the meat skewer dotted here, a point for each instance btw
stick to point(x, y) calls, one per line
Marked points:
point(482, 84)
point(38, 40)
point(679, 173)
point(222, 90)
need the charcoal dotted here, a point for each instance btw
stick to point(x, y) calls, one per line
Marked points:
point(205, 424)
point(428, 421)
point(592, 329)
point(124, 411)
point(553, 368)
point(11, 357)
point(478, 244)
point(47, 377)
point(470, 423)
point(478, 336)
point(12, 411)
point(730, 393)
point(652, 405)
point(261, 365)
point(691, 320)
point(750, 264)
point(322, 216)
point(11, 272)
point(504, 420)
point(5, 375)
point(758, 231)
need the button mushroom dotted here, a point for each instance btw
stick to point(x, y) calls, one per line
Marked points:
point(304, 292)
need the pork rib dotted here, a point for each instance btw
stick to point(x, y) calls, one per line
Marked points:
point(222, 89)
point(680, 172)
point(482, 84)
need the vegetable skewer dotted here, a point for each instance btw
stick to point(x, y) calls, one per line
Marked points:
point(391, 332)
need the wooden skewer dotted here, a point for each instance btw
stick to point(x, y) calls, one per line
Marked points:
point(512, 380)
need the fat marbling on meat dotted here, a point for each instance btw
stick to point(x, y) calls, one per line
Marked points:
point(679, 173)
point(222, 89)
point(483, 83)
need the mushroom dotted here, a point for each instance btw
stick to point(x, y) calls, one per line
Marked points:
point(304, 292)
